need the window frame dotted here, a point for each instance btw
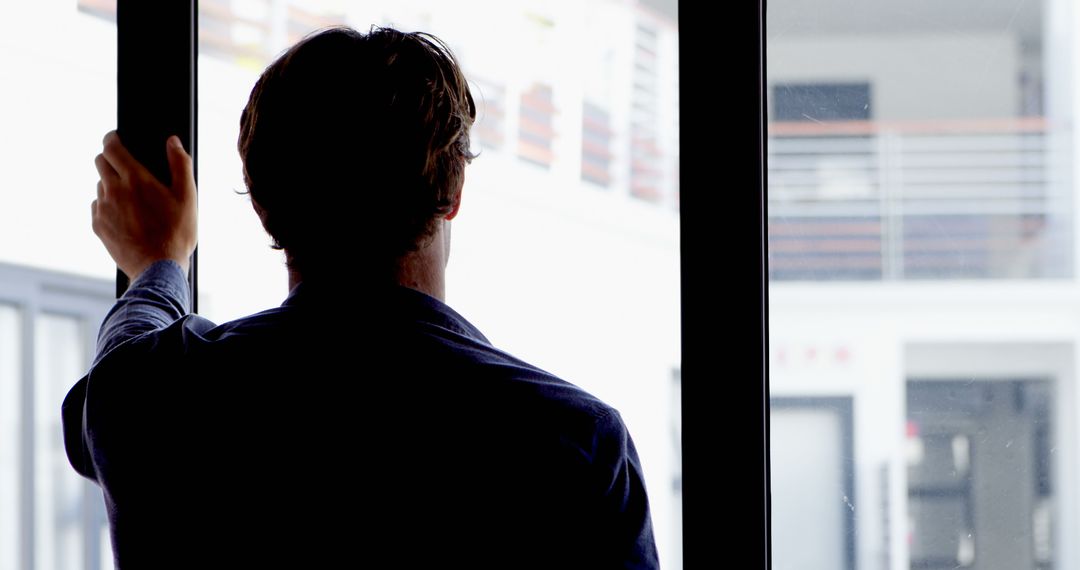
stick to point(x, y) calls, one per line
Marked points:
point(32, 293)
point(739, 430)
point(156, 101)
point(725, 388)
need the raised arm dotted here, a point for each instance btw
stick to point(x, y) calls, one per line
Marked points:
point(156, 298)
point(150, 230)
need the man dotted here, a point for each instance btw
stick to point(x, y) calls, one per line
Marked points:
point(363, 421)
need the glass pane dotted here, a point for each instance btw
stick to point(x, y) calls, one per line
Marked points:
point(923, 295)
point(59, 100)
point(59, 358)
point(10, 433)
point(568, 231)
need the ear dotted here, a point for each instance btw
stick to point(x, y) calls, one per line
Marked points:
point(258, 210)
point(457, 198)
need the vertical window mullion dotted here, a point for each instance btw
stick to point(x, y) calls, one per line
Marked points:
point(724, 283)
point(156, 94)
point(93, 510)
point(27, 492)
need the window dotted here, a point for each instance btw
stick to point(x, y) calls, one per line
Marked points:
point(535, 132)
point(50, 517)
point(535, 247)
point(923, 293)
point(821, 102)
point(56, 281)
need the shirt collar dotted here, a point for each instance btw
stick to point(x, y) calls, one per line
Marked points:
point(404, 301)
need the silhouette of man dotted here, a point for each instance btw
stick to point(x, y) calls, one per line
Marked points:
point(363, 421)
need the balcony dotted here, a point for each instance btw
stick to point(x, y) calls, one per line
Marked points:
point(862, 200)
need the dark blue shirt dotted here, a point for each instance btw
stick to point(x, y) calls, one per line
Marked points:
point(350, 426)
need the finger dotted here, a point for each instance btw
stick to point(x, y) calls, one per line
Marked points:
point(105, 170)
point(119, 158)
point(100, 191)
point(180, 165)
point(94, 217)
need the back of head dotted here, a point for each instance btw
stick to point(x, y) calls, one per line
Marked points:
point(354, 146)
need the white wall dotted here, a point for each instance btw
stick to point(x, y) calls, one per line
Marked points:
point(894, 331)
point(919, 77)
point(584, 284)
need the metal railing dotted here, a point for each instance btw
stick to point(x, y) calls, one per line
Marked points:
point(942, 200)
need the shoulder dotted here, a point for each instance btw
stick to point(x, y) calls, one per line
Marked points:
point(516, 379)
point(496, 384)
point(193, 330)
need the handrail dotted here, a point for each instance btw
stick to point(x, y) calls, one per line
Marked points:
point(916, 199)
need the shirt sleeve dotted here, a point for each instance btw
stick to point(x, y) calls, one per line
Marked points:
point(625, 502)
point(158, 297)
point(154, 300)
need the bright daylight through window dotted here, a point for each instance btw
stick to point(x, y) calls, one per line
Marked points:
point(924, 304)
point(567, 236)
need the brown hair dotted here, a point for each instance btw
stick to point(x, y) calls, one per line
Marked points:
point(354, 145)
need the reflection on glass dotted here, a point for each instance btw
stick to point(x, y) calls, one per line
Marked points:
point(922, 252)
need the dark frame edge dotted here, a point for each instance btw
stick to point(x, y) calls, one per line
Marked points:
point(153, 101)
point(193, 273)
point(725, 388)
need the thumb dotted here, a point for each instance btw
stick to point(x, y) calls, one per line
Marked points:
point(180, 165)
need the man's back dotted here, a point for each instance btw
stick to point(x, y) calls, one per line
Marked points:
point(353, 424)
point(359, 426)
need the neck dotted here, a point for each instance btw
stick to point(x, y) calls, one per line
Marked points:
point(423, 270)
point(294, 278)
